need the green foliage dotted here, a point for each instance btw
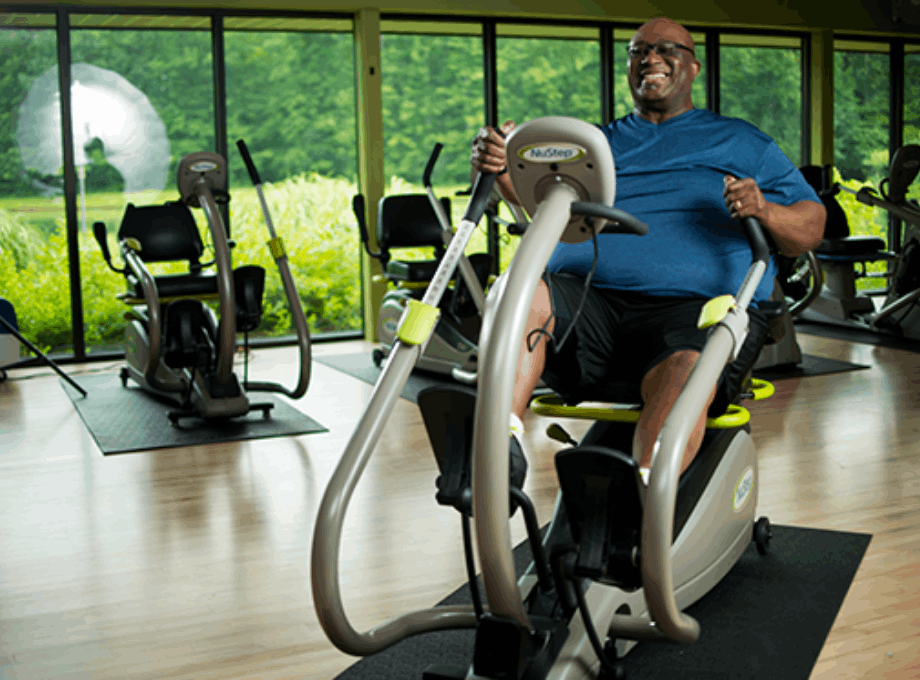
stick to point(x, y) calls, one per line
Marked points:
point(861, 115)
point(763, 85)
point(543, 77)
point(19, 240)
point(290, 96)
point(24, 55)
point(313, 217)
point(40, 293)
point(432, 92)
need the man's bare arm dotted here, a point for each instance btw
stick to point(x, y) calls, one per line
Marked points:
point(796, 228)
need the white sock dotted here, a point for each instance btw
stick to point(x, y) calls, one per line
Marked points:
point(644, 473)
point(516, 426)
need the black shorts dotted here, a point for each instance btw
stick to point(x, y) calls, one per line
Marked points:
point(619, 336)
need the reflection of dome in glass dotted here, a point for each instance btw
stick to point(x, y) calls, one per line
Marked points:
point(105, 106)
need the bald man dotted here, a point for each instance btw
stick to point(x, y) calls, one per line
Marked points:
point(689, 174)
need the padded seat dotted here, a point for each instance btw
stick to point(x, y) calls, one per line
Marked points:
point(167, 233)
point(419, 271)
point(857, 247)
point(178, 285)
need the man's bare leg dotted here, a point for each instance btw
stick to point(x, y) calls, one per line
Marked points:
point(530, 366)
point(660, 389)
point(660, 386)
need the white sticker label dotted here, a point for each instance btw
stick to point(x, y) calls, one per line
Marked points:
point(203, 166)
point(552, 153)
point(743, 490)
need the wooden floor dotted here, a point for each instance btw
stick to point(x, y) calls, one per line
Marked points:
point(193, 563)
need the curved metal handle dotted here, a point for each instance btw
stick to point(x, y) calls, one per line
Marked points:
point(247, 159)
point(429, 166)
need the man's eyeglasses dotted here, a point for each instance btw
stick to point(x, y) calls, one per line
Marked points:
point(663, 49)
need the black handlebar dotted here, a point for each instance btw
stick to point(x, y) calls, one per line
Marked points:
point(247, 159)
point(620, 222)
point(482, 193)
point(432, 159)
point(760, 249)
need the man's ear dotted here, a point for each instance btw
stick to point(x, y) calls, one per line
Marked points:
point(696, 65)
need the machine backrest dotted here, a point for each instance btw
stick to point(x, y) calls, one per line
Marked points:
point(821, 180)
point(167, 233)
point(409, 221)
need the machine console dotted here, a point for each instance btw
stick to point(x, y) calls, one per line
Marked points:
point(545, 151)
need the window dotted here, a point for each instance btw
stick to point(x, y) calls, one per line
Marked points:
point(912, 104)
point(143, 98)
point(432, 93)
point(548, 71)
point(33, 234)
point(291, 99)
point(861, 134)
point(761, 82)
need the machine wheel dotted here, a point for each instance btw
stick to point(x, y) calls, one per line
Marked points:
point(124, 376)
point(378, 356)
point(762, 535)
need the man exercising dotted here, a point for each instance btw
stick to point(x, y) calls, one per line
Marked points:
point(690, 174)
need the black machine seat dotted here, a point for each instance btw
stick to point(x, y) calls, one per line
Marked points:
point(838, 243)
point(177, 286)
point(859, 248)
point(408, 271)
point(409, 221)
point(168, 233)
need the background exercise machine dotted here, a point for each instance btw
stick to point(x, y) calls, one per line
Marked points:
point(175, 345)
point(423, 221)
point(843, 257)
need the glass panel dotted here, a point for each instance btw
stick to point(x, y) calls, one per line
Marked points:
point(33, 239)
point(763, 85)
point(142, 99)
point(291, 98)
point(861, 100)
point(912, 104)
point(623, 101)
point(432, 92)
point(547, 77)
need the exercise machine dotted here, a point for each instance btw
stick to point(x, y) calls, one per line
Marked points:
point(627, 556)
point(843, 257)
point(175, 345)
point(423, 221)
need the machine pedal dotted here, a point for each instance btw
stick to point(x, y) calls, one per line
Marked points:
point(600, 490)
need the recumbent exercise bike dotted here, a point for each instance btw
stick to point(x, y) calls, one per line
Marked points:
point(628, 557)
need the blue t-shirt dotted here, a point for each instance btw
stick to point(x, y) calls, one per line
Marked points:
point(670, 176)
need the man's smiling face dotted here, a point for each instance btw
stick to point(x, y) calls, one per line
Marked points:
point(662, 83)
